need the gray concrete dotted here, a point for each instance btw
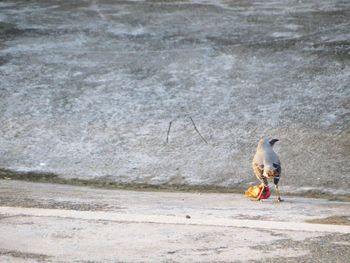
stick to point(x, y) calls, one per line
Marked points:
point(88, 89)
point(57, 223)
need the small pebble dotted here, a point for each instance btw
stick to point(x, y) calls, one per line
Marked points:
point(188, 217)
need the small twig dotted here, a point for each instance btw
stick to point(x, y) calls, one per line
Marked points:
point(167, 135)
point(195, 127)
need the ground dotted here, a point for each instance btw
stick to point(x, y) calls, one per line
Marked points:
point(88, 89)
point(41, 222)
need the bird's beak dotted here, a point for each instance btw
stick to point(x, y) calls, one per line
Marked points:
point(273, 141)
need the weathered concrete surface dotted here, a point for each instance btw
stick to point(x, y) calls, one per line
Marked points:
point(88, 89)
point(56, 223)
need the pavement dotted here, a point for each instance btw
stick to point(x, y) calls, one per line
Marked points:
point(41, 222)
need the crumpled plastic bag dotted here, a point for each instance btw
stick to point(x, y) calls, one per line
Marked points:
point(254, 191)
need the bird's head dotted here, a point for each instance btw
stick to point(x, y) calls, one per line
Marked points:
point(273, 141)
point(266, 143)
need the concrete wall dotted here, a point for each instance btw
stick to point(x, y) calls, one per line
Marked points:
point(88, 89)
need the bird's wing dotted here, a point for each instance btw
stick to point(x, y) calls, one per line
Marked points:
point(278, 168)
point(258, 170)
point(277, 173)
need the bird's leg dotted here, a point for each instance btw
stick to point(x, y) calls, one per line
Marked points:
point(259, 196)
point(263, 184)
point(278, 194)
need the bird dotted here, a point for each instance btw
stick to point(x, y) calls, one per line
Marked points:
point(267, 165)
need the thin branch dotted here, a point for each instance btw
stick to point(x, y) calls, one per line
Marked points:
point(167, 135)
point(195, 127)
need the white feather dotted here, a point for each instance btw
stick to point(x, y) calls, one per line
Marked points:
point(265, 155)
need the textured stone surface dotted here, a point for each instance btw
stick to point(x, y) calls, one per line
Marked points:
point(88, 89)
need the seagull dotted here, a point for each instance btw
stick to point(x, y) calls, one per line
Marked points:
point(267, 165)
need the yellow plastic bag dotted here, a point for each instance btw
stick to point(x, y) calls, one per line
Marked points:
point(258, 192)
point(253, 191)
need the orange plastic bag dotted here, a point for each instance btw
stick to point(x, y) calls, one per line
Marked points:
point(254, 191)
